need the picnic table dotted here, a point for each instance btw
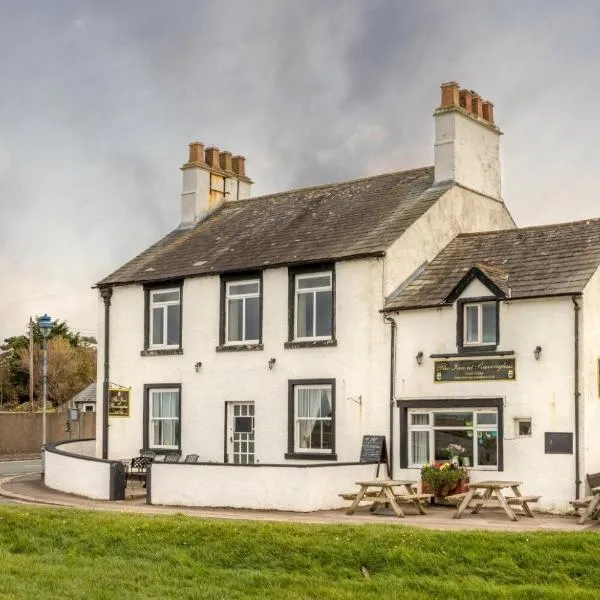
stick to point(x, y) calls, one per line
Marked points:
point(592, 509)
point(382, 491)
point(492, 496)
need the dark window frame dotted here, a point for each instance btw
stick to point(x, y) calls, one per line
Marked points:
point(291, 453)
point(315, 268)
point(151, 287)
point(437, 403)
point(224, 280)
point(146, 413)
point(460, 325)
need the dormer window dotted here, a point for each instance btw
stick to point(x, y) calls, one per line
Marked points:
point(477, 324)
point(480, 324)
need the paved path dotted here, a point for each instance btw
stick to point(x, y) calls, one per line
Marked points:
point(30, 489)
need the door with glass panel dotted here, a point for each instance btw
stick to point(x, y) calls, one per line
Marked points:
point(240, 433)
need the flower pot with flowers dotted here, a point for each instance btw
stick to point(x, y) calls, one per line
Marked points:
point(444, 479)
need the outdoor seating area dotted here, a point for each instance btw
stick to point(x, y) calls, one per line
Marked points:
point(590, 503)
point(137, 467)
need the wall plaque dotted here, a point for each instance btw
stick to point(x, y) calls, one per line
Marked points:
point(118, 402)
point(496, 369)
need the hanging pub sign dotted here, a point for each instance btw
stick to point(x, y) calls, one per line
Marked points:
point(496, 369)
point(118, 402)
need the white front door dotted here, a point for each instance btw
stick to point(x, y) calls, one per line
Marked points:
point(240, 433)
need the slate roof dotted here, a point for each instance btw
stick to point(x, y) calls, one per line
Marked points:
point(88, 394)
point(548, 260)
point(330, 222)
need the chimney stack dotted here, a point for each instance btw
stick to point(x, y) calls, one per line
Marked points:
point(211, 177)
point(467, 142)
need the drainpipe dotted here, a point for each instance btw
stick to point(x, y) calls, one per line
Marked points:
point(106, 294)
point(576, 393)
point(392, 322)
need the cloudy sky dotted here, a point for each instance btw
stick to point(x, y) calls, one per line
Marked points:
point(99, 99)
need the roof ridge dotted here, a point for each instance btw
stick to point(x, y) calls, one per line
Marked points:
point(328, 185)
point(529, 228)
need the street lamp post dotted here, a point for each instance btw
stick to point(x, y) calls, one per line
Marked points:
point(45, 325)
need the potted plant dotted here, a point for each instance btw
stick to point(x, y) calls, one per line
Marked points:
point(444, 479)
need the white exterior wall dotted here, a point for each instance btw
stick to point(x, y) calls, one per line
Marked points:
point(301, 489)
point(589, 328)
point(542, 389)
point(457, 211)
point(467, 150)
point(75, 475)
point(359, 364)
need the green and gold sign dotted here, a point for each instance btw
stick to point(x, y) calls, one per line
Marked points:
point(118, 402)
point(496, 369)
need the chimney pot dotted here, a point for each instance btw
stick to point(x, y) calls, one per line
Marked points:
point(211, 156)
point(196, 154)
point(450, 94)
point(239, 166)
point(488, 111)
point(225, 161)
point(476, 105)
point(465, 98)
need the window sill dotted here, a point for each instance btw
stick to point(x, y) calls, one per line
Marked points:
point(162, 352)
point(239, 347)
point(309, 456)
point(308, 344)
point(479, 351)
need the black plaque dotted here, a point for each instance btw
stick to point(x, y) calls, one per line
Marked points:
point(118, 403)
point(496, 369)
point(558, 442)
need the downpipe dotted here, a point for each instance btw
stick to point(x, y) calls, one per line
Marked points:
point(576, 392)
point(392, 322)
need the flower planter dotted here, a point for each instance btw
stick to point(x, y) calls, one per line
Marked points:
point(461, 488)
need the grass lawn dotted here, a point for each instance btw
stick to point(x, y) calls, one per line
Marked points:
point(52, 553)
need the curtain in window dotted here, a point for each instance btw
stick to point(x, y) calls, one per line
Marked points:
point(165, 415)
point(314, 418)
point(420, 447)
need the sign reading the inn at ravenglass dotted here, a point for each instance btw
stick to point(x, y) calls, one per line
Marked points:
point(496, 369)
point(118, 402)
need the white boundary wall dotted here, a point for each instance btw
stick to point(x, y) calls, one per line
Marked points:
point(72, 469)
point(302, 488)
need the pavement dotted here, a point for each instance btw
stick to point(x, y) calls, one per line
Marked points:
point(30, 489)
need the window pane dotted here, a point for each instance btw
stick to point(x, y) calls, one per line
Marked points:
point(304, 318)
point(173, 314)
point(419, 441)
point(489, 323)
point(235, 320)
point(325, 435)
point(157, 325)
point(453, 419)
point(486, 418)
point(419, 419)
point(463, 438)
point(252, 321)
point(155, 404)
point(326, 410)
point(243, 288)
point(324, 313)
point(487, 448)
point(172, 296)
point(313, 282)
point(472, 324)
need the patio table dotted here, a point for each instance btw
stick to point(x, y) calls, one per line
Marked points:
point(382, 492)
point(491, 491)
point(593, 508)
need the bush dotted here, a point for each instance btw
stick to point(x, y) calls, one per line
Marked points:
point(443, 477)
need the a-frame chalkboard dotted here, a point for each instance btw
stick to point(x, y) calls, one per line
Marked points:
point(374, 449)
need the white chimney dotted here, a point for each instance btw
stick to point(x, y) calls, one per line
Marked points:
point(211, 177)
point(467, 142)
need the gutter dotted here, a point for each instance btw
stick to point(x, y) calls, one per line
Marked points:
point(106, 293)
point(576, 392)
point(393, 323)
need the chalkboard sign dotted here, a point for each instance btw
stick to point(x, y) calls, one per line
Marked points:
point(374, 449)
point(118, 403)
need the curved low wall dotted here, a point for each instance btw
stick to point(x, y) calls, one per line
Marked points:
point(301, 488)
point(72, 467)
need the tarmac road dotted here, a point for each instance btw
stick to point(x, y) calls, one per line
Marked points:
point(16, 467)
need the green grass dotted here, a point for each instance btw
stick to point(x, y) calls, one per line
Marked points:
point(51, 553)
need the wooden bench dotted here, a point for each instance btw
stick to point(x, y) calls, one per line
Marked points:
point(593, 480)
point(410, 499)
point(521, 499)
point(368, 496)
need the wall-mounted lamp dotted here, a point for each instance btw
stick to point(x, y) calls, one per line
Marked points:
point(197, 366)
point(419, 358)
point(272, 362)
point(537, 352)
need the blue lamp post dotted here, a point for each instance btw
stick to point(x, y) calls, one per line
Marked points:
point(45, 325)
